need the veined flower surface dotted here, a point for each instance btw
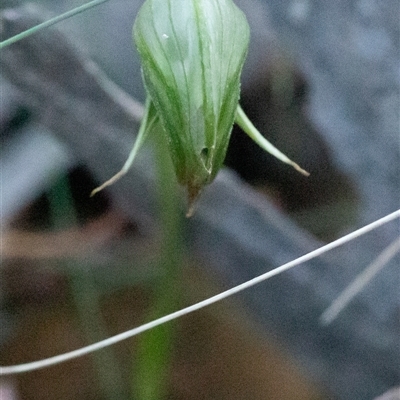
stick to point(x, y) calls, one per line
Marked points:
point(192, 54)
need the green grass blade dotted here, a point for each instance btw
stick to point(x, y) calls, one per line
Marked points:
point(51, 22)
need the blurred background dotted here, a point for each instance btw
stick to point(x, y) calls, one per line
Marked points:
point(322, 83)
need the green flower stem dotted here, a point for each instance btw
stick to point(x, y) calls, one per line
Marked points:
point(152, 361)
point(50, 22)
point(243, 121)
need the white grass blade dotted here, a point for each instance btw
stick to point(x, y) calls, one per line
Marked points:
point(31, 366)
point(360, 282)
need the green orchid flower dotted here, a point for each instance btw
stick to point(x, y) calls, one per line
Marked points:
point(192, 54)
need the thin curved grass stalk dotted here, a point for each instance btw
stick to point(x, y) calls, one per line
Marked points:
point(35, 365)
point(192, 54)
point(51, 22)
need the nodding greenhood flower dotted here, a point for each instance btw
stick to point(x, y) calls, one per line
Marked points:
point(192, 54)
